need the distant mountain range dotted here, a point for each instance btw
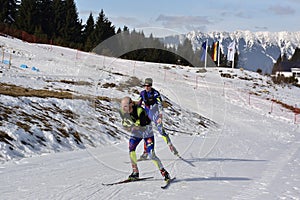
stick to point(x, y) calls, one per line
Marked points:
point(257, 50)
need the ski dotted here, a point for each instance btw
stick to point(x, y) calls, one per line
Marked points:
point(143, 159)
point(188, 162)
point(127, 181)
point(168, 182)
point(178, 156)
point(139, 160)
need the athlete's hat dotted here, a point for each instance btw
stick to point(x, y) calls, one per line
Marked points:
point(148, 81)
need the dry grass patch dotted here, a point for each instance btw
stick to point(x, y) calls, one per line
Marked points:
point(18, 91)
point(4, 137)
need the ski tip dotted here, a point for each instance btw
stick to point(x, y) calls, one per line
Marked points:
point(127, 181)
point(168, 182)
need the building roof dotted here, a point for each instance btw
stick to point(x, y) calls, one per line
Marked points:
point(286, 66)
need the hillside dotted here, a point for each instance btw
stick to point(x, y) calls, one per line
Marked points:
point(57, 111)
point(60, 133)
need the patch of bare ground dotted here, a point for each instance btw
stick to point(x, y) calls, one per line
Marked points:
point(18, 91)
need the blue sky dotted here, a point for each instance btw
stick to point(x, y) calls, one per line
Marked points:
point(181, 16)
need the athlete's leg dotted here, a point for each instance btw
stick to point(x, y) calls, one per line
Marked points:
point(133, 142)
point(150, 150)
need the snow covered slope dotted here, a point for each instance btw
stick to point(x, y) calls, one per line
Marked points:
point(60, 133)
point(66, 105)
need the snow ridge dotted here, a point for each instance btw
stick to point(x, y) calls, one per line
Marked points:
point(256, 49)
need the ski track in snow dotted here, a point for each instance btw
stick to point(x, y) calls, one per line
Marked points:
point(259, 188)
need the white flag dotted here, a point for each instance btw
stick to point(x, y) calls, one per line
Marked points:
point(231, 51)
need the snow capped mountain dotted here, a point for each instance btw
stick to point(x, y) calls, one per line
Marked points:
point(256, 49)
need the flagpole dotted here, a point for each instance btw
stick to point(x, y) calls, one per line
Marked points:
point(233, 56)
point(218, 54)
point(206, 53)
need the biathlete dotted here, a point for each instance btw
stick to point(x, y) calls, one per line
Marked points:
point(135, 120)
point(151, 100)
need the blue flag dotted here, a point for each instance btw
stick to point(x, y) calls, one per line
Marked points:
point(203, 52)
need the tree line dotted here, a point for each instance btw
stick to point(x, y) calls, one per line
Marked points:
point(57, 22)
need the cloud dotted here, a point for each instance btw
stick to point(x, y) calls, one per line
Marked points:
point(125, 20)
point(281, 10)
point(185, 22)
point(263, 28)
point(294, 1)
point(225, 13)
point(243, 15)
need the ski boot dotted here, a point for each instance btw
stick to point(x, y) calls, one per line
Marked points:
point(133, 176)
point(165, 174)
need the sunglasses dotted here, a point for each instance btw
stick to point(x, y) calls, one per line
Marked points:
point(147, 85)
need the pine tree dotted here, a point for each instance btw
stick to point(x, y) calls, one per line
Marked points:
point(125, 29)
point(236, 59)
point(45, 17)
point(119, 30)
point(66, 25)
point(8, 11)
point(284, 57)
point(122, 38)
point(223, 58)
point(59, 20)
point(185, 50)
point(88, 33)
point(103, 29)
point(41, 37)
point(72, 31)
point(296, 55)
point(277, 65)
point(27, 18)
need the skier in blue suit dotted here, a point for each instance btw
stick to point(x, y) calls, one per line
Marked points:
point(152, 102)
